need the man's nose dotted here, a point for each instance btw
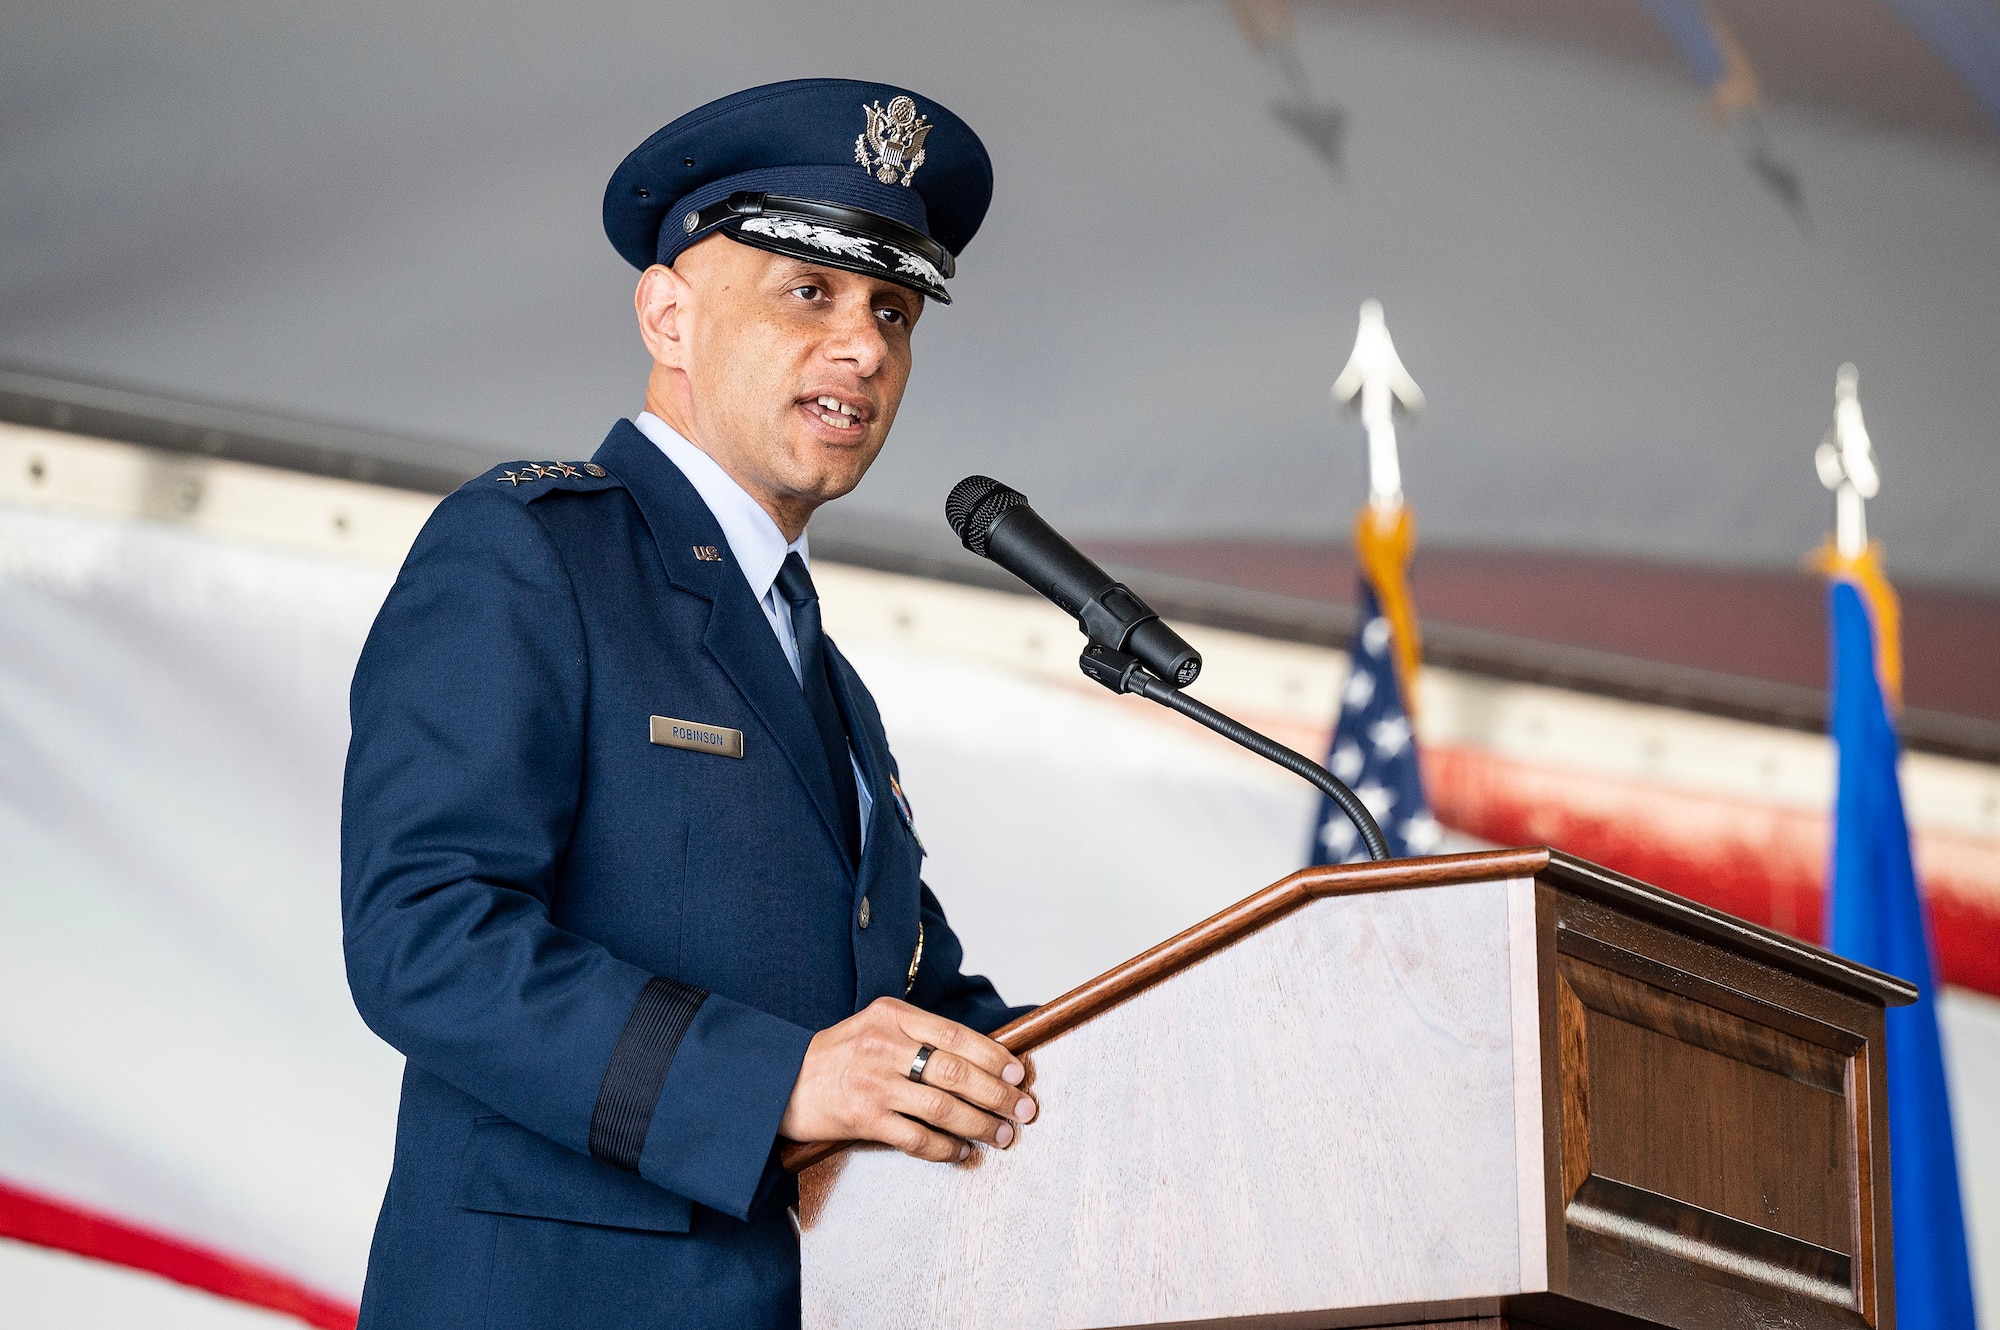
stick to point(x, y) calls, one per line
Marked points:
point(857, 339)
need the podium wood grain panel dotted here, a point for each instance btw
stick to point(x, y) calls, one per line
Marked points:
point(1718, 1129)
point(1744, 1121)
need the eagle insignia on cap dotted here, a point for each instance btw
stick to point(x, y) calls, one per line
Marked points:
point(892, 147)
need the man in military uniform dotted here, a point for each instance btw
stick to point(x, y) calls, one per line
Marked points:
point(628, 873)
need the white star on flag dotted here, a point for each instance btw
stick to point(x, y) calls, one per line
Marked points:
point(1347, 761)
point(1391, 735)
point(1359, 691)
point(1422, 833)
point(1379, 799)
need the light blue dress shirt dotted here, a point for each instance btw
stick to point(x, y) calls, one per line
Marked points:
point(758, 547)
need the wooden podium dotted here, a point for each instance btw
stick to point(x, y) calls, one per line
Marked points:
point(1508, 1089)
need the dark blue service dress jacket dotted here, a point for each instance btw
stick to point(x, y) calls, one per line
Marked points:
point(604, 957)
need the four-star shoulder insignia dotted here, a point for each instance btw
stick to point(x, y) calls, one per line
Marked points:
point(529, 472)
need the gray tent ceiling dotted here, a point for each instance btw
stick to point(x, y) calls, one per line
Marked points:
point(387, 215)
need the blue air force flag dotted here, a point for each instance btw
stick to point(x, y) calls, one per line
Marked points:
point(1876, 916)
point(1375, 751)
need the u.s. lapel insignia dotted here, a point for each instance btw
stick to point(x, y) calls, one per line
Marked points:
point(707, 554)
point(892, 147)
point(903, 807)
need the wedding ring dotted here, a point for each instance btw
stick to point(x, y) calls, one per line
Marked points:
point(917, 1066)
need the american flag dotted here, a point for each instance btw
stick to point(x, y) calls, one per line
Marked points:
point(1374, 750)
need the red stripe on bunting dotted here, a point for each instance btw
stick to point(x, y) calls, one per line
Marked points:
point(46, 1222)
point(1759, 862)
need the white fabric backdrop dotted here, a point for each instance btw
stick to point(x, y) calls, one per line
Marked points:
point(177, 1047)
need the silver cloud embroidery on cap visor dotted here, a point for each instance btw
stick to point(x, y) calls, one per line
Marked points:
point(819, 237)
point(916, 265)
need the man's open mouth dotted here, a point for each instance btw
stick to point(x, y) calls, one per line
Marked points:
point(834, 412)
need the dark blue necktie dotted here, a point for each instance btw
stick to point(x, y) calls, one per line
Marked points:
point(795, 584)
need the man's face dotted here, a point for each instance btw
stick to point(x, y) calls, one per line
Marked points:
point(788, 373)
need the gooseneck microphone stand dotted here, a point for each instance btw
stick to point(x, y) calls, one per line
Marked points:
point(1122, 673)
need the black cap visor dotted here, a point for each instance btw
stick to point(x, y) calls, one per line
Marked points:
point(829, 233)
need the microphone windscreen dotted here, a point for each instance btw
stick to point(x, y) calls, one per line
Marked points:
point(975, 504)
point(964, 497)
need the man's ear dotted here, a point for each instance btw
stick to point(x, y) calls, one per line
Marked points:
point(661, 304)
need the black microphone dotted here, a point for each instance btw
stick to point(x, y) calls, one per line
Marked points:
point(1130, 650)
point(996, 523)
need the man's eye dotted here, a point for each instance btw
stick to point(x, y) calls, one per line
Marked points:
point(890, 314)
point(807, 292)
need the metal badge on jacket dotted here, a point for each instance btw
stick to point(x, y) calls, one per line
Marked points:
point(671, 733)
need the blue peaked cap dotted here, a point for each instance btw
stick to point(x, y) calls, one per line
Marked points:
point(867, 177)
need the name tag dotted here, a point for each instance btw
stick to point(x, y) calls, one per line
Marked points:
point(671, 733)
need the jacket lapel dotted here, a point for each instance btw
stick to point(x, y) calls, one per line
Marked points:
point(889, 865)
point(739, 637)
point(871, 749)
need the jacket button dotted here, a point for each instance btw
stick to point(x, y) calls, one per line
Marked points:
point(864, 912)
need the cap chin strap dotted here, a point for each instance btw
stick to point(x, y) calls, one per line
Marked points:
point(750, 203)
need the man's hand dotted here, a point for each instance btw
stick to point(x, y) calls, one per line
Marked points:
point(855, 1085)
